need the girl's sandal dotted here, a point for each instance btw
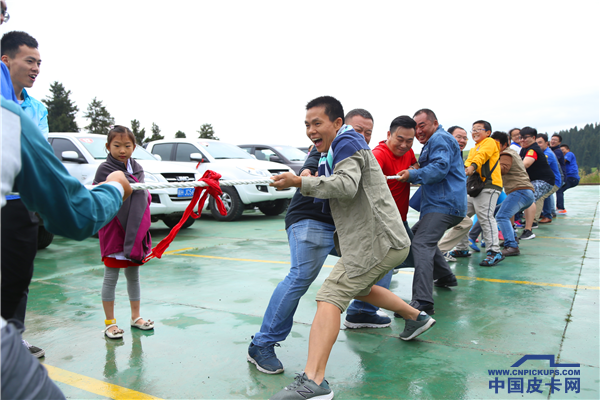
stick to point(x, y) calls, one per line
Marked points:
point(117, 334)
point(146, 326)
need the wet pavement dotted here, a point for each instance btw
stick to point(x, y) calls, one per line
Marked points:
point(209, 293)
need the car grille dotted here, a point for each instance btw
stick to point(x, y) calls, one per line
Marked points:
point(278, 171)
point(179, 177)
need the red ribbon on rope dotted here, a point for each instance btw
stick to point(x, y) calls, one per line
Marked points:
point(211, 178)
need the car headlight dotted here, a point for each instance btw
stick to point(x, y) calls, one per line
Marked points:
point(255, 172)
point(154, 178)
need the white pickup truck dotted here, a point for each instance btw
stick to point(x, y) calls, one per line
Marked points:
point(82, 153)
point(232, 163)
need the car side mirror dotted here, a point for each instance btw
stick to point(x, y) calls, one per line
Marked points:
point(198, 157)
point(157, 156)
point(72, 156)
point(275, 159)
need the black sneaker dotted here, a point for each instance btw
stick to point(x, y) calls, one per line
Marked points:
point(428, 308)
point(265, 359)
point(363, 320)
point(526, 235)
point(535, 225)
point(446, 281)
point(34, 350)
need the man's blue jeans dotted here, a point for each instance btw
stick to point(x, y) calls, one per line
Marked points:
point(571, 182)
point(516, 201)
point(310, 243)
point(549, 206)
point(360, 307)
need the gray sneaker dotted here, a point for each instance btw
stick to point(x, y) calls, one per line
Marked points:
point(303, 388)
point(412, 329)
point(34, 350)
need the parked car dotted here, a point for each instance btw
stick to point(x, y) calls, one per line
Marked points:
point(232, 163)
point(82, 153)
point(288, 155)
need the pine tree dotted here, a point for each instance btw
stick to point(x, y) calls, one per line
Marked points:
point(61, 110)
point(137, 132)
point(155, 134)
point(206, 132)
point(180, 135)
point(100, 118)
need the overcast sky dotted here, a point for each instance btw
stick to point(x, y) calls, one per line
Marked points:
point(249, 67)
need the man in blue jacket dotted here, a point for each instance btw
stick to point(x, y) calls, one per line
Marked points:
point(443, 205)
point(542, 141)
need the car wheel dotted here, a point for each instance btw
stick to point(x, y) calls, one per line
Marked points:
point(232, 203)
point(173, 219)
point(274, 207)
point(44, 238)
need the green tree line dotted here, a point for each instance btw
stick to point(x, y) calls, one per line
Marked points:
point(62, 111)
point(584, 143)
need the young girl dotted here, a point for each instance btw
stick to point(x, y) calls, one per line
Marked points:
point(124, 241)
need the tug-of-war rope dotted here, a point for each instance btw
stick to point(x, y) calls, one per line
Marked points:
point(209, 184)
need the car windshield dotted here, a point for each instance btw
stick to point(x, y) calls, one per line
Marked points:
point(97, 148)
point(224, 151)
point(291, 153)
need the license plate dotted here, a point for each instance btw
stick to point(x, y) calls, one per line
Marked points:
point(185, 192)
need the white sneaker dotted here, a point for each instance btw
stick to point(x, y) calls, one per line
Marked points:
point(448, 257)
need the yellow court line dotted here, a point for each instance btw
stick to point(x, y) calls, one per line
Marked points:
point(95, 386)
point(469, 278)
point(562, 238)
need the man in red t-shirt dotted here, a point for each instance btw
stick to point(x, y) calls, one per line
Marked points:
point(394, 155)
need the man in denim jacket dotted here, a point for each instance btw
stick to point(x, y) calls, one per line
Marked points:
point(443, 205)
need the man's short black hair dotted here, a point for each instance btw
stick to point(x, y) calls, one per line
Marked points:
point(543, 136)
point(359, 111)
point(333, 108)
point(455, 127)
point(528, 131)
point(403, 121)
point(566, 146)
point(501, 137)
point(558, 136)
point(486, 125)
point(430, 114)
point(11, 41)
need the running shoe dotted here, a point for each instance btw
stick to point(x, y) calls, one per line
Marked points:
point(473, 245)
point(448, 257)
point(363, 320)
point(265, 359)
point(303, 388)
point(412, 329)
point(519, 224)
point(561, 212)
point(534, 225)
point(526, 235)
point(34, 350)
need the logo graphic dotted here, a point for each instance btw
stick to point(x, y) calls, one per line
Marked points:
point(554, 373)
point(549, 357)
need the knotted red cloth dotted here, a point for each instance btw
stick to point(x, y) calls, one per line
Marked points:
point(211, 178)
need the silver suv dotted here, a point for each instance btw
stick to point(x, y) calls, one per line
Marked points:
point(232, 163)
